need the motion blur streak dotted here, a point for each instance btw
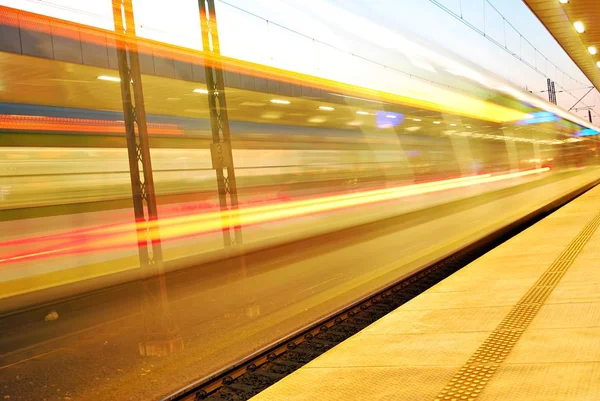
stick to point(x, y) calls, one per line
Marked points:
point(426, 95)
point(41, 123)
point(180, 227)
point(189, 225)
point(349, 176)
point(113, 229)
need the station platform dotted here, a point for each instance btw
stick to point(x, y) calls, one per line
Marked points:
point(520, 323)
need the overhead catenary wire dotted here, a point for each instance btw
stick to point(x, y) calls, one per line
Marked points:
point(458, 16)
point(519, 57)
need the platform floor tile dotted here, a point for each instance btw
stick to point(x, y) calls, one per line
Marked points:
point(361, 384)
point(542, 382)
point(463, 299)
point(567, 293)
point(581, 344)
point(402, 349)
point(563, 315)
point(440, 321)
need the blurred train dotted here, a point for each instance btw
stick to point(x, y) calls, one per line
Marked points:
point(331, 164)
point(65, 192)
point(268, 157)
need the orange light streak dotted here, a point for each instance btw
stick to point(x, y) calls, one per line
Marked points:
point(435, 98)
point(65, 124)
point(122, 235)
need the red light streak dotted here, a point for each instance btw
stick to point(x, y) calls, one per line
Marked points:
point(122, 236)
point(64, 124)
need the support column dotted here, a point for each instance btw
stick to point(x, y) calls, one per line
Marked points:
point(221, 153)
point(161, 334)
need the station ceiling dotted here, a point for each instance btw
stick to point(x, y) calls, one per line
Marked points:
point(559, 17)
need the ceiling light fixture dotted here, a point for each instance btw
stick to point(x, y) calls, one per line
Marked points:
point(108, 78)
point(280, 101)
point(579, 27)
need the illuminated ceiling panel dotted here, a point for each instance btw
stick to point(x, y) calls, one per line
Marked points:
point(559, 18)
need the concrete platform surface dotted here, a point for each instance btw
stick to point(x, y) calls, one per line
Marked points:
point(520, 323)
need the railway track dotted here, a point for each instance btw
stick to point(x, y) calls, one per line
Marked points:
point(248, 377)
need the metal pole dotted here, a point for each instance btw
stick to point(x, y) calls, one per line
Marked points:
point(161, 335)
point(221, 153)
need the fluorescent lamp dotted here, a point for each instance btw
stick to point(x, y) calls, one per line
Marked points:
point(280, 101)
point(108, 78)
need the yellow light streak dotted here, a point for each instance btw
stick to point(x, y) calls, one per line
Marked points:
point(214, 221)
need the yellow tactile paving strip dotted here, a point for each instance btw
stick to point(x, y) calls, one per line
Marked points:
point(471, 379)
point(521, 323)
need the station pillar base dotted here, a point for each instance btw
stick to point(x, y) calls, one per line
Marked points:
point(161, 347)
